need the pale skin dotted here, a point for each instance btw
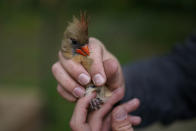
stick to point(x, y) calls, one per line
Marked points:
point(105, 69)
point(102, 119)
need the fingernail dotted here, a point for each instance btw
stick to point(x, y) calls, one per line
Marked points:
point(83, 79)
point(134, 101)
point(136, 119)
point(120, 115)
point(98, 79)
point(78, 92)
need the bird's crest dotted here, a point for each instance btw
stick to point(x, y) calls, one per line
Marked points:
point(84, 21)
point(78, 28)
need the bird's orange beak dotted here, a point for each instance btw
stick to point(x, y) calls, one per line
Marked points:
point(83, 51)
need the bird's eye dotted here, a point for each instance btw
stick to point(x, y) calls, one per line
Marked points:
point(74, 41)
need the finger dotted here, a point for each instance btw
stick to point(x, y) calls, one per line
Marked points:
point(66, 81)
point(95, 118)
point(135, 120)
point(107, 123)
point(120, 120)
point(75, 70)
point(131, 105)
point(65, 94)
point(97, 70)
point(113, 73)
point(81, 109)
point(117, 95)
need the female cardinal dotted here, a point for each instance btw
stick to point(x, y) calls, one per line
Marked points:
point(75, 46)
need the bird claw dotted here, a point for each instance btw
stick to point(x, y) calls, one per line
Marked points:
point(95, 104)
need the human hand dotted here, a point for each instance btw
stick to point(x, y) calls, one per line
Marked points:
point(102, 119)
point(72, 76)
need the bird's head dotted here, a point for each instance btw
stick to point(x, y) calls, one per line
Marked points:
point(75, 40)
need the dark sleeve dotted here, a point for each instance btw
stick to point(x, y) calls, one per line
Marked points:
point(166, 86)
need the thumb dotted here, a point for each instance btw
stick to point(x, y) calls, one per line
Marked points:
point(120, 120)
point(113, 73)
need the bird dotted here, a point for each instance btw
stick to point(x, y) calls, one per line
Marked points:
point(75, 46)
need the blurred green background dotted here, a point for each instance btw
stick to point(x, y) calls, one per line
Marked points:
point(30, 37)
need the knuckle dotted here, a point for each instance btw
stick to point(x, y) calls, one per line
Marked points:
point(69, 85)
point(59, 53)
point(81, 101)
point(119, 95)
point(109, 105)
point(126, 126)
point(95, 41)
point(55, 67)
point(59, 90)
point(92, 39)
point(72, 100)
point(97, 65)
point(72, 125)
point(114, 63)
point(74, 69)
point(116, 109)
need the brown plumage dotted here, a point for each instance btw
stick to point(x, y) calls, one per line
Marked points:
point(75, 46)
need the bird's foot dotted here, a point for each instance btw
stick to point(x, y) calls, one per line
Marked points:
point(95, 104)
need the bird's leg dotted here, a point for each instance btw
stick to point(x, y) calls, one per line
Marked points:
point(96, 102)
point(103, 93)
